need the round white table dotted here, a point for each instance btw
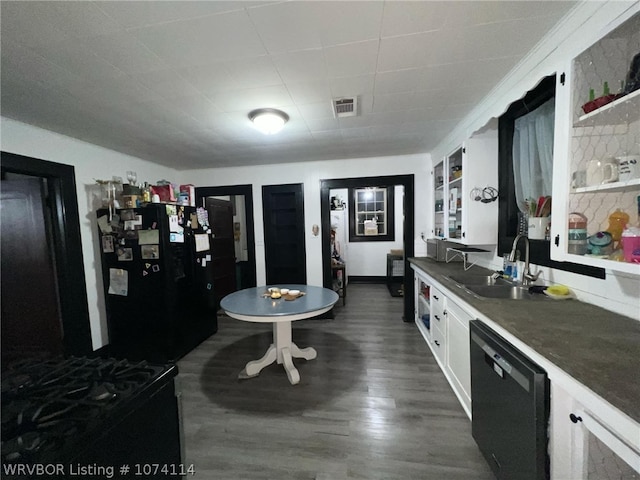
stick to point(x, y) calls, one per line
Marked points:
point(251, 305)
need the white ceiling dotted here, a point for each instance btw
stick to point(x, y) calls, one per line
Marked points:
point(173, 81)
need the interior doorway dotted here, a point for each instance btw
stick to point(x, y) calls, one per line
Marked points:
point(408, 229)
point(56, 272)
point(241, 197)
point(28, 269)
point(223, 255)
point(284, 241)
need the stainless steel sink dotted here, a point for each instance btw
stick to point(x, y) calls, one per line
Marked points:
point(487, 286)
point(478, 280)
point(507, 292)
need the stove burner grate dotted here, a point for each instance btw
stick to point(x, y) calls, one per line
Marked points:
point(49, 403)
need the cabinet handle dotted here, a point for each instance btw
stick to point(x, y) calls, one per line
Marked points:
point(444, 313)
point(557, 240)
point(436, 342)
point(436, 297)
point(437, 317)
point(574, 418)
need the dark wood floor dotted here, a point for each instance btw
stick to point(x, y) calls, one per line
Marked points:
point(372, 405)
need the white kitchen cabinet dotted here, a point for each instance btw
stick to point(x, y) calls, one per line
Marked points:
point(613, 130)
point(438, 302)
point(589, 438)
point(458, 364)
point(461, 182)
point(422, 305)
point(438, 345)
point(590, 442)
point(438, 326)
point(447, 335)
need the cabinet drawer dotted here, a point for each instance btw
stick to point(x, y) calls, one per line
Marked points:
point(438, 319)
point(438, 344)
point(437, 299)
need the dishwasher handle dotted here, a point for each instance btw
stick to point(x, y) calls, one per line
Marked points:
point(499, 361)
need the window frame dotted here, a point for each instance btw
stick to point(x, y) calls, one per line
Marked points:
point(540, 250)
point(389, 220)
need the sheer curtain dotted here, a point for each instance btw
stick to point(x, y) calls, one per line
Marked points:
point(533, 154)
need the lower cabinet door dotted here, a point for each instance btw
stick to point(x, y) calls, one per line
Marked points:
point(458, 355)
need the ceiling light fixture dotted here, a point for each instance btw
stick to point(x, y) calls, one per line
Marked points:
point(268, 120)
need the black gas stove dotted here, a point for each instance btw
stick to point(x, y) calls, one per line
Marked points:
point(89, 417)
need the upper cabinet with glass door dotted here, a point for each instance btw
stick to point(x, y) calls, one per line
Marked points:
point(601, 179)
point(469, 190)
point(438, 201)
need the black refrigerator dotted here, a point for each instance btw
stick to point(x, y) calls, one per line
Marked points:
point(158, 280)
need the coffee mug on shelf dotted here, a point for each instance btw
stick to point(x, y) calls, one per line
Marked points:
point(629, 167)
point(603, 171)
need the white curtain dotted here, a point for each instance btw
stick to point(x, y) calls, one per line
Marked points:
point(533, 154)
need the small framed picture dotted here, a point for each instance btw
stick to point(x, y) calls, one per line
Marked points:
point(107, 244)
point(127, 215)
point(125, 254)
point(150, 252)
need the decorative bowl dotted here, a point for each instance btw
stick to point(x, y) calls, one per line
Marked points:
point(598, 102)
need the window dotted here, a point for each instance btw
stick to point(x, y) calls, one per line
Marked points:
point(539, 99)
point(371, 215)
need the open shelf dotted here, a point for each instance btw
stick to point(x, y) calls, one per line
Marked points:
point(623, 107)
point(609, 187)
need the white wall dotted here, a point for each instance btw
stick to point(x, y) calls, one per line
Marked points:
point(90, 163)
point(310, 173)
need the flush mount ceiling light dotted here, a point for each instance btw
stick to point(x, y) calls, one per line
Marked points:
point(268, 120)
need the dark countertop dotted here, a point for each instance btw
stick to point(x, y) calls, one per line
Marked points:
point(598, 348)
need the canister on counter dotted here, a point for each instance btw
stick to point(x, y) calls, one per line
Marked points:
point(578, 242)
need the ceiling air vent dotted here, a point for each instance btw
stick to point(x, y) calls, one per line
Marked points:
point(345, 107)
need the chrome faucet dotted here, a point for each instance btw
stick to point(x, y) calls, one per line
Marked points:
point(527, 277)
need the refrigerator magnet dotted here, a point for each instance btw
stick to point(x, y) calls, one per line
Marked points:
point(202, 242)
point(176, 237)
point(118, 281)
point(133, 224)
point(107, 244)
point(125, 254)
point(174, 226)
point(148, 237)
point(103, 224)
point(150, 252)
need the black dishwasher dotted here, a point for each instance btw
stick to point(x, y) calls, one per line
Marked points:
point(509, 406)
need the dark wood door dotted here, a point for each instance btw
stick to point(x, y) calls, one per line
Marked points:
point(223, 254)
point(31, 323)
point(284, 241)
